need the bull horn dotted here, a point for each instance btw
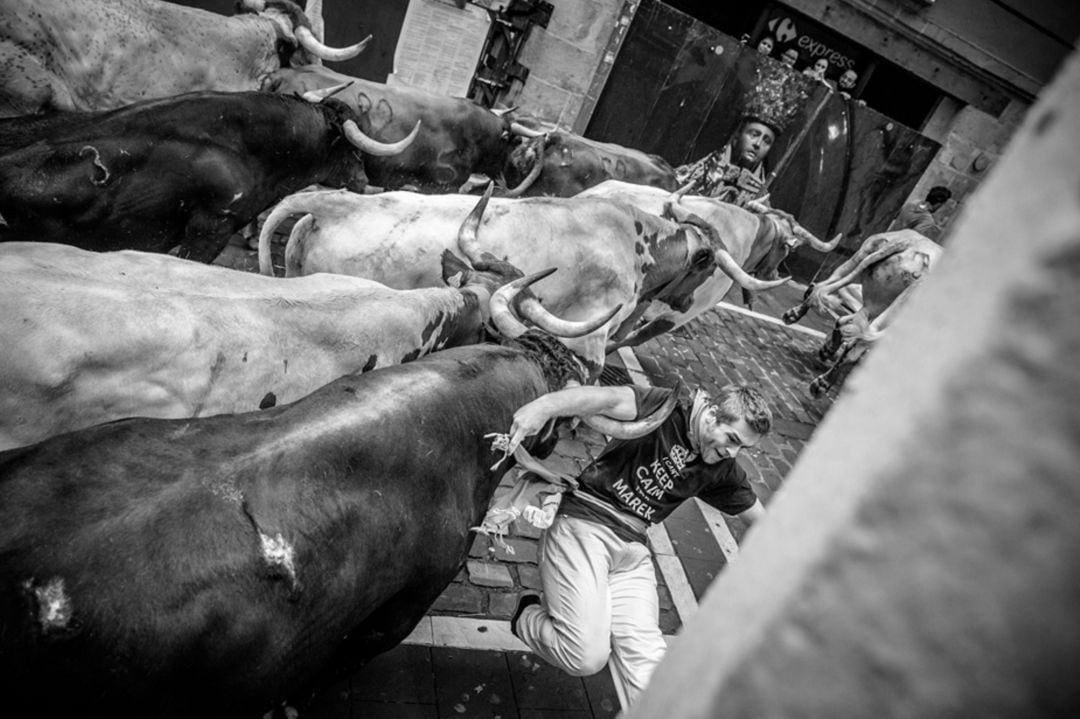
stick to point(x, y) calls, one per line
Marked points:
point(374, 147)
point(467, 240)
point(678, 194)
point(309, 42)
point(324, 92)
point(819, 245)
point(622, 429)
point(732, 269)
point(518, 129)
point(509, 325)
point(531, 309)
point(534, 172)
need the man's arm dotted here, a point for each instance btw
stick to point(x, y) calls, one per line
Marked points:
point(755, 512)
point(614, 402)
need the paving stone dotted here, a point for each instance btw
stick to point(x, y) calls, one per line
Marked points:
point(503, 604)
point(539, 685)
point(529, 576)
point(521, 528)
point(404, 674)
point(481, 546)
point(473, 684)
point(489, 574)
point(460, 599)
point(524, 550)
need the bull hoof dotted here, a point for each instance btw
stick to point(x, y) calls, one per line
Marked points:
point(793, 315)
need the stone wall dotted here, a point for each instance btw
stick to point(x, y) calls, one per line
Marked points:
point(565, 58)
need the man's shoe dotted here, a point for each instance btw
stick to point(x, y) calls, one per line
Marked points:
point(527, 600)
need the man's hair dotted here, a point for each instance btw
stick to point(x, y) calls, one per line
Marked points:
point(740, 401)
point(938, 195)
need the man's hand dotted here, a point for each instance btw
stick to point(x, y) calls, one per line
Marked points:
point(749, 182)
point(528, 420)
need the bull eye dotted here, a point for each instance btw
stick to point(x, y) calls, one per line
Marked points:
point(702, 257)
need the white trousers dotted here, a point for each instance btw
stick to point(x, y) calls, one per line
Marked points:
point(600, 604)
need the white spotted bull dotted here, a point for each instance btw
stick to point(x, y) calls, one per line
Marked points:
point(864, 294)
point(93, 337)
point(104, 54)
point(608, 253)
point(219, 566)
point(750, 245)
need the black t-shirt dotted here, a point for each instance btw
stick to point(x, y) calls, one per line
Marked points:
point(649, 477)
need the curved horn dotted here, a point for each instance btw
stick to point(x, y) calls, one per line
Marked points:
point(732, 269)
point(374, 147)
point(518, 129)
point(507, 322)
point(534, 172)
point(467, 240)
point(819, 245)
point(531, 309)
point(309, 42)
point(322, 93)
point(621, 429)
point(678, 194)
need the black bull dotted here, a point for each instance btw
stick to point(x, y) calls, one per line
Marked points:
point(189, 170)
point(218, 566)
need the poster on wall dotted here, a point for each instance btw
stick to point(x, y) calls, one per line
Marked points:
point(439, 46)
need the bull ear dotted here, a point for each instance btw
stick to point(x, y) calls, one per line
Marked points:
point(455, 270)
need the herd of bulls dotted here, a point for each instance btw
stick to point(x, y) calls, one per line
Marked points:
point(219, 489)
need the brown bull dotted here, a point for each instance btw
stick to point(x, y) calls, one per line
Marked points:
point(569, 164)
point(457, 137)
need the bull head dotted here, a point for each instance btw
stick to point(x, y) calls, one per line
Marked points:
point(300, 30)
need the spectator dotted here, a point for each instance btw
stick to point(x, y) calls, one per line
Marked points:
point(789, 57)
point(765, 46)
point(817, 70)
point(919, 216)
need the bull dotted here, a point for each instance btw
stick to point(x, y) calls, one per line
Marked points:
point(864, 294)
point(105, 54)
point(93, 337)
point(564, 164)
point(458, 138)
point(187, 171)
point(755, 241)
point(608, 252)
point(218, 566)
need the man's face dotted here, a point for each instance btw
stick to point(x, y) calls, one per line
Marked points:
point(847, 80)
point(753, 144)
point(720, 440)
point(790, 57)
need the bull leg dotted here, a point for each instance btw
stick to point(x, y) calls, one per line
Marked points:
point(829, 348)
point(823, 382)
point(206, 236)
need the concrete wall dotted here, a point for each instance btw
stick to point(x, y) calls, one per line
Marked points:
point(923, 558)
